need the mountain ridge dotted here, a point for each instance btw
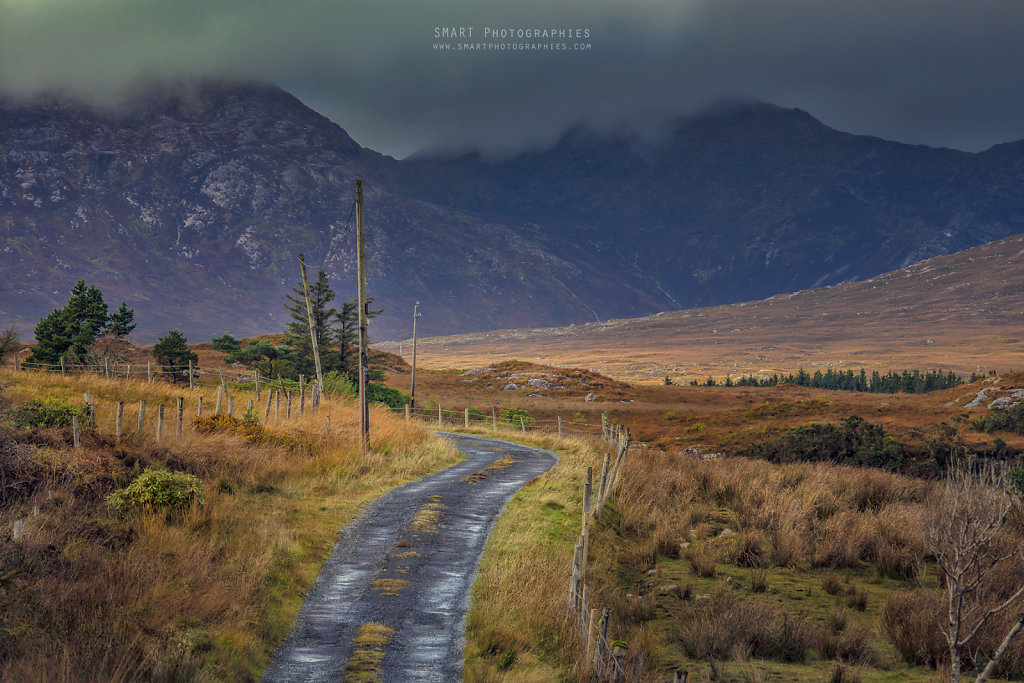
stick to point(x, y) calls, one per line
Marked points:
point(193, 207)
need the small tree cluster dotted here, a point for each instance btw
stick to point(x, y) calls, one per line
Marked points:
point(71, 330)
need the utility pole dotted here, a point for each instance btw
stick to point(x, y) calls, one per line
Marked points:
point(415, 314)
point(312, 335)
point(364, 404)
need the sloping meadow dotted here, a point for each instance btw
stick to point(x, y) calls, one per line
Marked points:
point(197, 570)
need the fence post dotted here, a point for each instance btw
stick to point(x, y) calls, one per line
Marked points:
point(559, 426)
point(619, 661)
point(601, 486)
point(220, 392)
point(249, 408)
point(142, 416)
point(494, 417)
point(92, 409)
point(106, 367)
point(638, 666)
point(438, 413)
point(302, 394)
point(62, 370)
point(181, 414)
point(17, 363)
point(288, 407)
point(522, 423)
point(467, 418)
point(408, 413)
point(592, 632)
point(190, 374)
point(223, 382)
point(199, 408)
point(277, 404)
point(257, 384)
point(119, 420)
point(231, 406)
point(605, 426)
point(128, 372)
point(149, 371)
point(266, 413)
point(159, 421)
point(74, 431)
point(18, 526)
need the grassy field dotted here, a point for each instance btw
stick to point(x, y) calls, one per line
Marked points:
point(207, 593)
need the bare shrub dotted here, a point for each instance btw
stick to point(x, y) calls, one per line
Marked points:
point(750, 548)
point(703, 559)
point(965, 530)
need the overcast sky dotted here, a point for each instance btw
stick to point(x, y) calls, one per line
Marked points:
point(937, 72)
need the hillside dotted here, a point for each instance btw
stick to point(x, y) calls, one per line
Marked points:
point(959, 312)
point(193, 204)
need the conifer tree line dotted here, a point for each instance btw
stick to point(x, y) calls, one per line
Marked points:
point(907, 381)
point(336, 331)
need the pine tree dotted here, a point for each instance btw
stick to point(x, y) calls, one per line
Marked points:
point(122, 321)
point(172, 352)
point(71, 329)
point(297, 333)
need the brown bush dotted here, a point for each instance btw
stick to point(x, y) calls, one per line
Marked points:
point(750, 548)
point(702, 558)
point(908, 619)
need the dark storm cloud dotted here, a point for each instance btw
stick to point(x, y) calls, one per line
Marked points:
point(939, 72)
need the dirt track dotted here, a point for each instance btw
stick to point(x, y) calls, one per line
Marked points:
point(408, 563)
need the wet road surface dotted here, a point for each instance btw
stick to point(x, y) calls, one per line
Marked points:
point(408, 562)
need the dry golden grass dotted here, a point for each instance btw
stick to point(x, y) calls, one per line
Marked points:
point(94, 595)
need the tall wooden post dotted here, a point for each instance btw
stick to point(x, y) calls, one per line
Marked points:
point(309, 315)
point(159, 421)
point(364, 404)
point(119, 421)
point(142, 416)
point(415, 315)
point(467, 418)
point(408, 413)
point(439, 414)
point(181, 414)
point(220, 393)
point(190, 374)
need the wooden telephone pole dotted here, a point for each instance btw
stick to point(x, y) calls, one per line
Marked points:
point(312, 335)
point(364, 403)
point(415, 314)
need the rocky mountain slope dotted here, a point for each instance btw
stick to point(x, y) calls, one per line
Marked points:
point(193, 204)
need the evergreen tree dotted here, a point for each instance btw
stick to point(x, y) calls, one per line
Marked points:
point(122, 321)
point(297, 333)
point(346, 336)
point(270, 360)
point(172, 353)
point(71, 329)
point(226, 343)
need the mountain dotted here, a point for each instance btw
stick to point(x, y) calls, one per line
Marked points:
point(956, 312)
point(193, 207)
point(192, 204)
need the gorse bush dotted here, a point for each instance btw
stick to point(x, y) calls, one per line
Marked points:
point(854, 441)
point(392, 398)
point(513, 416)
point(46, 413)
point(159, 490)
point(248, 427)
point(1001, 420)
point(338, 384)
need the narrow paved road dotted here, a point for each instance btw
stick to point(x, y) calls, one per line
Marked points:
point(408, 563)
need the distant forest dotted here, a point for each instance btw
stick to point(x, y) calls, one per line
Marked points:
point(909, 381)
